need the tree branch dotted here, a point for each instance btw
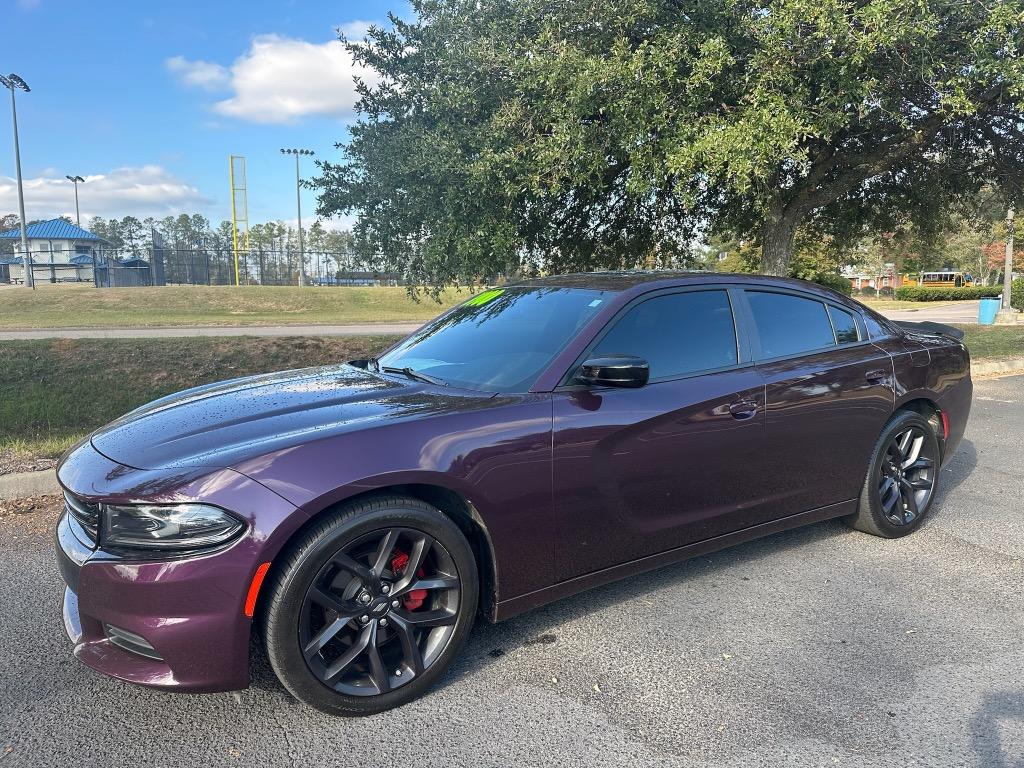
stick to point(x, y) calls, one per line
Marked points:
point(816, 192)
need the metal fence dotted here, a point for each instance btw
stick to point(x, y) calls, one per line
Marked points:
point(195, 266)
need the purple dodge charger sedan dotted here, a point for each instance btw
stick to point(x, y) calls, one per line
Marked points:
point(537, 440)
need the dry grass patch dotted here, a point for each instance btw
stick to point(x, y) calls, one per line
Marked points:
point(191, 305)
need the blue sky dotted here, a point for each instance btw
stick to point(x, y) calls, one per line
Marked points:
point(147, 100)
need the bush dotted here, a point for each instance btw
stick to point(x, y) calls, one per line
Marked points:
point(917, 293)
point(831, 280)
point(867, 290)
point(1017, 294)
point(886, 290)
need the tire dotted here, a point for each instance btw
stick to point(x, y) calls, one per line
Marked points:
point(334, 635)
point(902, 478)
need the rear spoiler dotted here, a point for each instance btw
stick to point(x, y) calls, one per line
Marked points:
point(926, 326)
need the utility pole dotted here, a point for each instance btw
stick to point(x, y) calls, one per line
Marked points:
point(1008, 266)
point(1008, 315)
point(298, 207)
point(74, 180)
point(12, 82)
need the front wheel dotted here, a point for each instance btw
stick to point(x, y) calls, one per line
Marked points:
point(371, 606)
point(902, 478)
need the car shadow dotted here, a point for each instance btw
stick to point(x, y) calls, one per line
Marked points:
point(959, 468)
point(489, 642)
point(997, 708)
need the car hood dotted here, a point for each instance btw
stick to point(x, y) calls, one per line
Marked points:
point(221, 424)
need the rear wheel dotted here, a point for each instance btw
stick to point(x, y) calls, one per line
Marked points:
point(902, 478)
point(371, 607)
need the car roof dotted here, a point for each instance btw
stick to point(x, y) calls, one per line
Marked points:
point(607, 281)
point(625, 280)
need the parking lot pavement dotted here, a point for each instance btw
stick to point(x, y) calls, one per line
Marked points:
point(816, 647)
point(963, 312)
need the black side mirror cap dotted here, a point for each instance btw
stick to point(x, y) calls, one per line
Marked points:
point(614, 371)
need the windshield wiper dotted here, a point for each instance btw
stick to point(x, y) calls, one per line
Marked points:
point(415, 375)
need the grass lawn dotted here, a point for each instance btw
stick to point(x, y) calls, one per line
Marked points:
point(987, 342)
point(82, 306)
point(52, 392)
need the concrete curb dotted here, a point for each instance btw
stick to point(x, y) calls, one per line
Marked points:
point(1004, 365)
point(19, 484)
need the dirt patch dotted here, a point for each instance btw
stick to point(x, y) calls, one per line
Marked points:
point(29, 516)
point(23, 462)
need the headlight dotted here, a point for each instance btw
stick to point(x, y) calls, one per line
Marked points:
point(167, 526)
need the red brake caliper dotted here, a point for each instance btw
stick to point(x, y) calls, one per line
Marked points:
point(414, 598)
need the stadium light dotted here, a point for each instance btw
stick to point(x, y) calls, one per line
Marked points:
point(12, 83)
point(74, 180)
point(298, 206)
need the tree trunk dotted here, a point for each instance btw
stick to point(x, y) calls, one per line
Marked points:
point(777, 236)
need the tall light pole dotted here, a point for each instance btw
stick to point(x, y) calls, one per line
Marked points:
point(74, 180)
point(298, 207)
point(12, 82)
point(1007, 314)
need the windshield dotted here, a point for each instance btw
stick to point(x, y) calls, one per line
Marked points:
point(500, 340)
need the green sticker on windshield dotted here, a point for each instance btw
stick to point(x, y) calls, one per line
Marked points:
point(481, 299)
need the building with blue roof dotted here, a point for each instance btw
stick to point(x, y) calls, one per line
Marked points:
point(60, 252)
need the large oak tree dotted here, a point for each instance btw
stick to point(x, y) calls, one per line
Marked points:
point(574, 134)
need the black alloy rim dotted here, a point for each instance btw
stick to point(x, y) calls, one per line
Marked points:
point(907, 476)
point(380, 612)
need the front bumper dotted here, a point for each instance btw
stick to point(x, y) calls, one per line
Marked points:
point(190, 611)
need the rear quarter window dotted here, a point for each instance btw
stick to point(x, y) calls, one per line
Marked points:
point(877, 329)
point(844, 325)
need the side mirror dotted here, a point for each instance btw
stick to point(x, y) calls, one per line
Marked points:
point(614, 371)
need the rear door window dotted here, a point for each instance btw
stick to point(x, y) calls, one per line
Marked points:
point(789, 325)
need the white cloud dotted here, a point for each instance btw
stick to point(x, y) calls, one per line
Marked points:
point(281, 79)
point(355, 30)
point(201, 74)
point(149, 190)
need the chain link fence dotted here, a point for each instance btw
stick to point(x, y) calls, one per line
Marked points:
point(164, 265)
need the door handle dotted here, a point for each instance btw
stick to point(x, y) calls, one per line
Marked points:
point(876, 377)
point(743, 409)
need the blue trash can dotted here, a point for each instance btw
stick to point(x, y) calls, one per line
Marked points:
point(987, 310)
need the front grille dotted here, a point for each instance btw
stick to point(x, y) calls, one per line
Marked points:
point(87, 515)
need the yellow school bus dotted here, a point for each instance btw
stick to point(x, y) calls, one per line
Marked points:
point(944, 279)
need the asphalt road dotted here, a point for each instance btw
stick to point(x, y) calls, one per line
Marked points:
point(817, 647)
point(964, 312)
